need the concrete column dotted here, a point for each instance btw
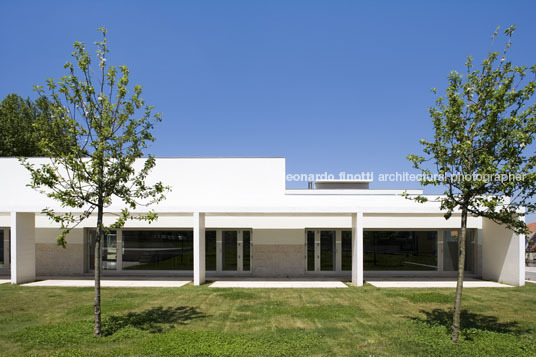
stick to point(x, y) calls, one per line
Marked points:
point(519, 243)
point(22, 247)
point(357, 249)
point(199, 248)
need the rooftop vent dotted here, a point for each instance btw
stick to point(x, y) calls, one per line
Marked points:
point(342, 184)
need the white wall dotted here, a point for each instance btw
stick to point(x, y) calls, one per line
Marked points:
point(194, 182)
point(278, 237)
point(503, 254)
point(225, 185)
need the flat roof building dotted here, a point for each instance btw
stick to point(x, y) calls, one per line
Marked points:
point(235, 217)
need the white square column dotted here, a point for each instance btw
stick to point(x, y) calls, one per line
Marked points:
point(520, 244)
point(199, 248)
point(22, 247)
point(357, 248)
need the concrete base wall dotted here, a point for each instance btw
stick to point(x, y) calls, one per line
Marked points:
point(503, 257)
point(278, 252)
point(278, 260)
point(52, 259)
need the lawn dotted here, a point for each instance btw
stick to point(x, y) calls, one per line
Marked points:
point(266, 322)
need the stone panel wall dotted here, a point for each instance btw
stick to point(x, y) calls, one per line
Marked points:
point(278, 260)
point(52, 259)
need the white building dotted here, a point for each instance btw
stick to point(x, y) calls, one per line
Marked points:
point(235, 217)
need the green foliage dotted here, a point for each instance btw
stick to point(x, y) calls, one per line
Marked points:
point(107, 128)
point(20, 120)
point(482, 151)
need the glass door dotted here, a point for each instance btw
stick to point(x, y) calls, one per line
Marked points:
point(327, 250)
point(1, 247)
point(450, 250)
point(108, 250)
point(246, 256)
point(229, 250)
point(210, 250)
point(346, 250)
point(310, 247)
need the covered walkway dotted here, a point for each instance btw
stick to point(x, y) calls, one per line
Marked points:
point(110, 282)
point(278, 283)
point(433, 283)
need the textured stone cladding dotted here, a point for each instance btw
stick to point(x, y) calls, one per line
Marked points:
point(278, 260)
point(54, 260)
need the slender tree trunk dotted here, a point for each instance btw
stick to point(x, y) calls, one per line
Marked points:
point(459, 283)
point(98, 261)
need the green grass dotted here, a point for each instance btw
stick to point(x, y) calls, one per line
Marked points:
point(204, 321)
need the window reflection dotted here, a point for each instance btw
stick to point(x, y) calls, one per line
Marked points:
point(450, 250)
point(400, 250)
point(327, 250)
point(246, 259)
point(346, 250)
point(108, 250)
point(1, 247)
point(310, 250)
point(229, 250)
point(210, 250)
point(157, 250)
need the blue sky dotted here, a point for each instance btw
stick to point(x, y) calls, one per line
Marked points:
point(330, 85)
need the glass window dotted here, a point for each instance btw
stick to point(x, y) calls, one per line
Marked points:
point(450, 250)
point(346, 250)
point(310, 250)
point(1, 247)
point(108, 249)
point(229, 250)
point(400, 250)
point(157, 250)
point(210, 250)
point(327, 250)
point(246, 260)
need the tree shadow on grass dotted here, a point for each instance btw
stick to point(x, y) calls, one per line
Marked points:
point(470, 320)
point(153, 320)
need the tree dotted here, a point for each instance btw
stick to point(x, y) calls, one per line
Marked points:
point(18, 119)
point(481, 154)
point(107, 132)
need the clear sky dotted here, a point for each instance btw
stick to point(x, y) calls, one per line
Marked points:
point(330, 85)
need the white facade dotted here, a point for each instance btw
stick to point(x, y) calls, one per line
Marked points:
point(234, 216)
